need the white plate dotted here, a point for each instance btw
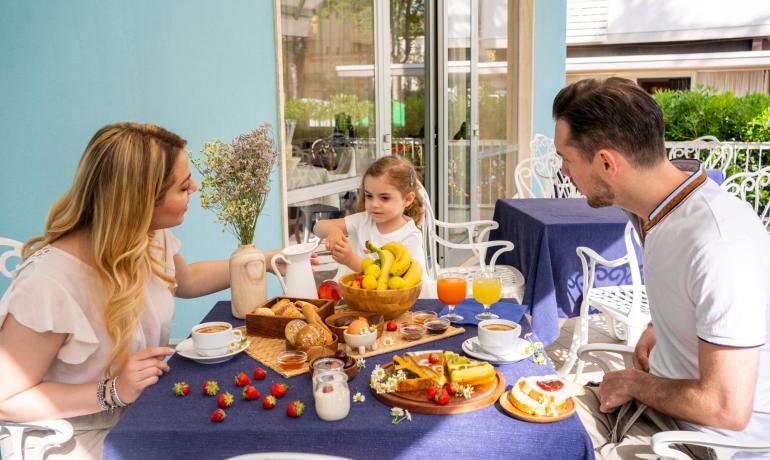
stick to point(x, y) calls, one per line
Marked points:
point(521, 349)
point(185, 348)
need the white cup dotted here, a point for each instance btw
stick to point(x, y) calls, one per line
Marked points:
point(214, 338)
point(498, 336)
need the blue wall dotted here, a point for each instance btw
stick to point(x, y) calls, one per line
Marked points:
point(550, 53)
point(203, 69)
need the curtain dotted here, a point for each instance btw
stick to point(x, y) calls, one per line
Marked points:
point(739, 82)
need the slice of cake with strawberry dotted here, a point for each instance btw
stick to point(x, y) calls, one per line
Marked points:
point(544, 396)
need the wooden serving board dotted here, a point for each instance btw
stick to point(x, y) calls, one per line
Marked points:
point(417, 401)
point(514, 412)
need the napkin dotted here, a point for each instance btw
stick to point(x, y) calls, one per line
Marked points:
point(469, 308)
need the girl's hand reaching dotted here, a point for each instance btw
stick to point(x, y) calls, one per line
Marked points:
point(141, 370)
point(341, 252)
point(335, 235)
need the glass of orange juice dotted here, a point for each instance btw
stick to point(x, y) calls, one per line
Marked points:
point(487, 289)
point(452, 288)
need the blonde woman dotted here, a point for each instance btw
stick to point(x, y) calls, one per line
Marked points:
point(85, 321)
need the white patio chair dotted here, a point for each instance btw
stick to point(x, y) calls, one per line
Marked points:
point(626, 307)
point(724, 448)
point(720, 154)
point(540, 175)
point(478, 232)
point(741, 184)
point(61, 429)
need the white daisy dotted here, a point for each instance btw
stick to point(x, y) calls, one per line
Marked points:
point(396, 411)
point(408, 415)
point(360, 363)
point(538, 345)
point(359, 398)
point(379, 372)
point(467, 391)
point(388, 341)
point(400, 375)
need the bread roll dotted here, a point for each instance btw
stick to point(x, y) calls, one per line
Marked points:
point(310, 335)
point(291, 330)
point(278, 307)
point(291, 312)
point(308, 309)
point(263, 311)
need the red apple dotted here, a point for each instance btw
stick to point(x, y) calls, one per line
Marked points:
point(329, 290)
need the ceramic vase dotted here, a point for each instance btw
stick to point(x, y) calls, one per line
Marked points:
point(247, 280)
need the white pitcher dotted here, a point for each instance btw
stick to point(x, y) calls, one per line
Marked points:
point(299, 280)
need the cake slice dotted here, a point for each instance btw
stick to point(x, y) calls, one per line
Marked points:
point(464, 370)
point(543, 395)
point(419, 363)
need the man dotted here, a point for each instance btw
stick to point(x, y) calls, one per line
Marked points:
point(703, 363)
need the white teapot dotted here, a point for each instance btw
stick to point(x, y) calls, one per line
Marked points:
point(298, 281)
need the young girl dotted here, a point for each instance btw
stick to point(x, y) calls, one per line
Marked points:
point(393, 209)
point(85, 321)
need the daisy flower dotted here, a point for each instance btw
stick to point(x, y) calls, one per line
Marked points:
point(388, 341)
point(359, 398)
point(396, 411)
point(379, 372)
point(360, 363)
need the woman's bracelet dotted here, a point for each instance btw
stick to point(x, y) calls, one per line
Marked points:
point(114, 394)
point(100, 396)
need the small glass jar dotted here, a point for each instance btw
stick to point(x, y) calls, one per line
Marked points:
point(322, 365)
point(332, 395)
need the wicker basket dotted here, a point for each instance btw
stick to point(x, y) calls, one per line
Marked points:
point(390, 303)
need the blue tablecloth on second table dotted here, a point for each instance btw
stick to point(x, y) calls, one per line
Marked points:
point(160, 425)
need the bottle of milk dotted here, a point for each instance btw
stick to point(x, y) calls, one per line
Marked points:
point(332, 395)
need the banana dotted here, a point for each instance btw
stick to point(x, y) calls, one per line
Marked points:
point(386, 258)
point(413, 276)
point(403, 258)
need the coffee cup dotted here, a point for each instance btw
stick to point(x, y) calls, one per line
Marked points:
point(215, 338)
point(498, 336)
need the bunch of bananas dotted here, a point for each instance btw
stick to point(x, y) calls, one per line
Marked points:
point(395, 268)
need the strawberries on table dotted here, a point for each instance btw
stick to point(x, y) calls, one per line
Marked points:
point(279, 390)
point(210, 388)
point(249, 393)
point(441, 397)
point(242, 379)
point(392, 326)
point(295, 409)
point(181, 389)
point(218, 416)
point(225, 400)
point(259, 374)
point(268, 402)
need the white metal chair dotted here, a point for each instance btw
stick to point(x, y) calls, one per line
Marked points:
point(540, 175)
point(478, 232)
point(723, 447)
point(720, 154)
point(741, 184)
point(626, 307)
point(61, 429)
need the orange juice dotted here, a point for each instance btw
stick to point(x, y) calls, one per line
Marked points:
point(487, 291)
point(451, 291)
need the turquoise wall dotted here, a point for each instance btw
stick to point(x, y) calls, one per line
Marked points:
point(550, 53)
point(203, 69)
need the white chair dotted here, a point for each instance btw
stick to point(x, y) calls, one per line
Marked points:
point(61, 429)
point(540, 175)
point(742, 184)
point(720, 154)
point(626, 307)
point(477, 232)
point(723, 447)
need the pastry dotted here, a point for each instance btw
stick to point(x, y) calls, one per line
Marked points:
point(543, 395)
point(291, 330)
point(291, 312)
point(468, 371)
point(312, 317)
point(309, 335)
point(419, 363)
point(279, 306)
point(263, 311)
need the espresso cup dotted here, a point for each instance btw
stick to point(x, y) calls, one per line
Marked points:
point(214, 338)
point(498, 336)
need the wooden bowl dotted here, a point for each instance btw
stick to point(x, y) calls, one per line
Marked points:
point(274, 326)
point(339, 321)
point(390, 304)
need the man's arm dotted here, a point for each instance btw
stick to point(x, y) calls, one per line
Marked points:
point(723, 397)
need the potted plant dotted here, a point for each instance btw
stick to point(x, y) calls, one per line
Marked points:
point(236, 181)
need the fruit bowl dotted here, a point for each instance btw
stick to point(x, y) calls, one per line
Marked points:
point(390, 304)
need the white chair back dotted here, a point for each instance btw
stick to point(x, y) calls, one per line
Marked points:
point(719, 155)
point(744, 184)
point(6, 254)
point(540, 175)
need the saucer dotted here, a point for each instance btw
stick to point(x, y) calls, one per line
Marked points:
point(520, 350)
point(185, 348)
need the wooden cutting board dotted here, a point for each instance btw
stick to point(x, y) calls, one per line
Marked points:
point(417, 401)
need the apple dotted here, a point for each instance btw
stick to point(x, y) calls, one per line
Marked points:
point(329, 290)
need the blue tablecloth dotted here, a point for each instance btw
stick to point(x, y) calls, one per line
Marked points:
point(160, 425)
point(545, 234)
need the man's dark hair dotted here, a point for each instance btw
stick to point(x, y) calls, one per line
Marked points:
point(613, 113)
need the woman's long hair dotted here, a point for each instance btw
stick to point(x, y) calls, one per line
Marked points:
point(125, 171)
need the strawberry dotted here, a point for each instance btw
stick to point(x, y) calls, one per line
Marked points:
point(249, 393)
point(279, 390)
point(225, 400)
point(181, 389)
point(433, 358)
point(432, 392)
point(268, 402)
point(295, 409)
point(241, 380)
point(455, 389)
point(259, 374)
point(210, 388)
point(442, 397)
point(392, 326)
point(218, 416)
